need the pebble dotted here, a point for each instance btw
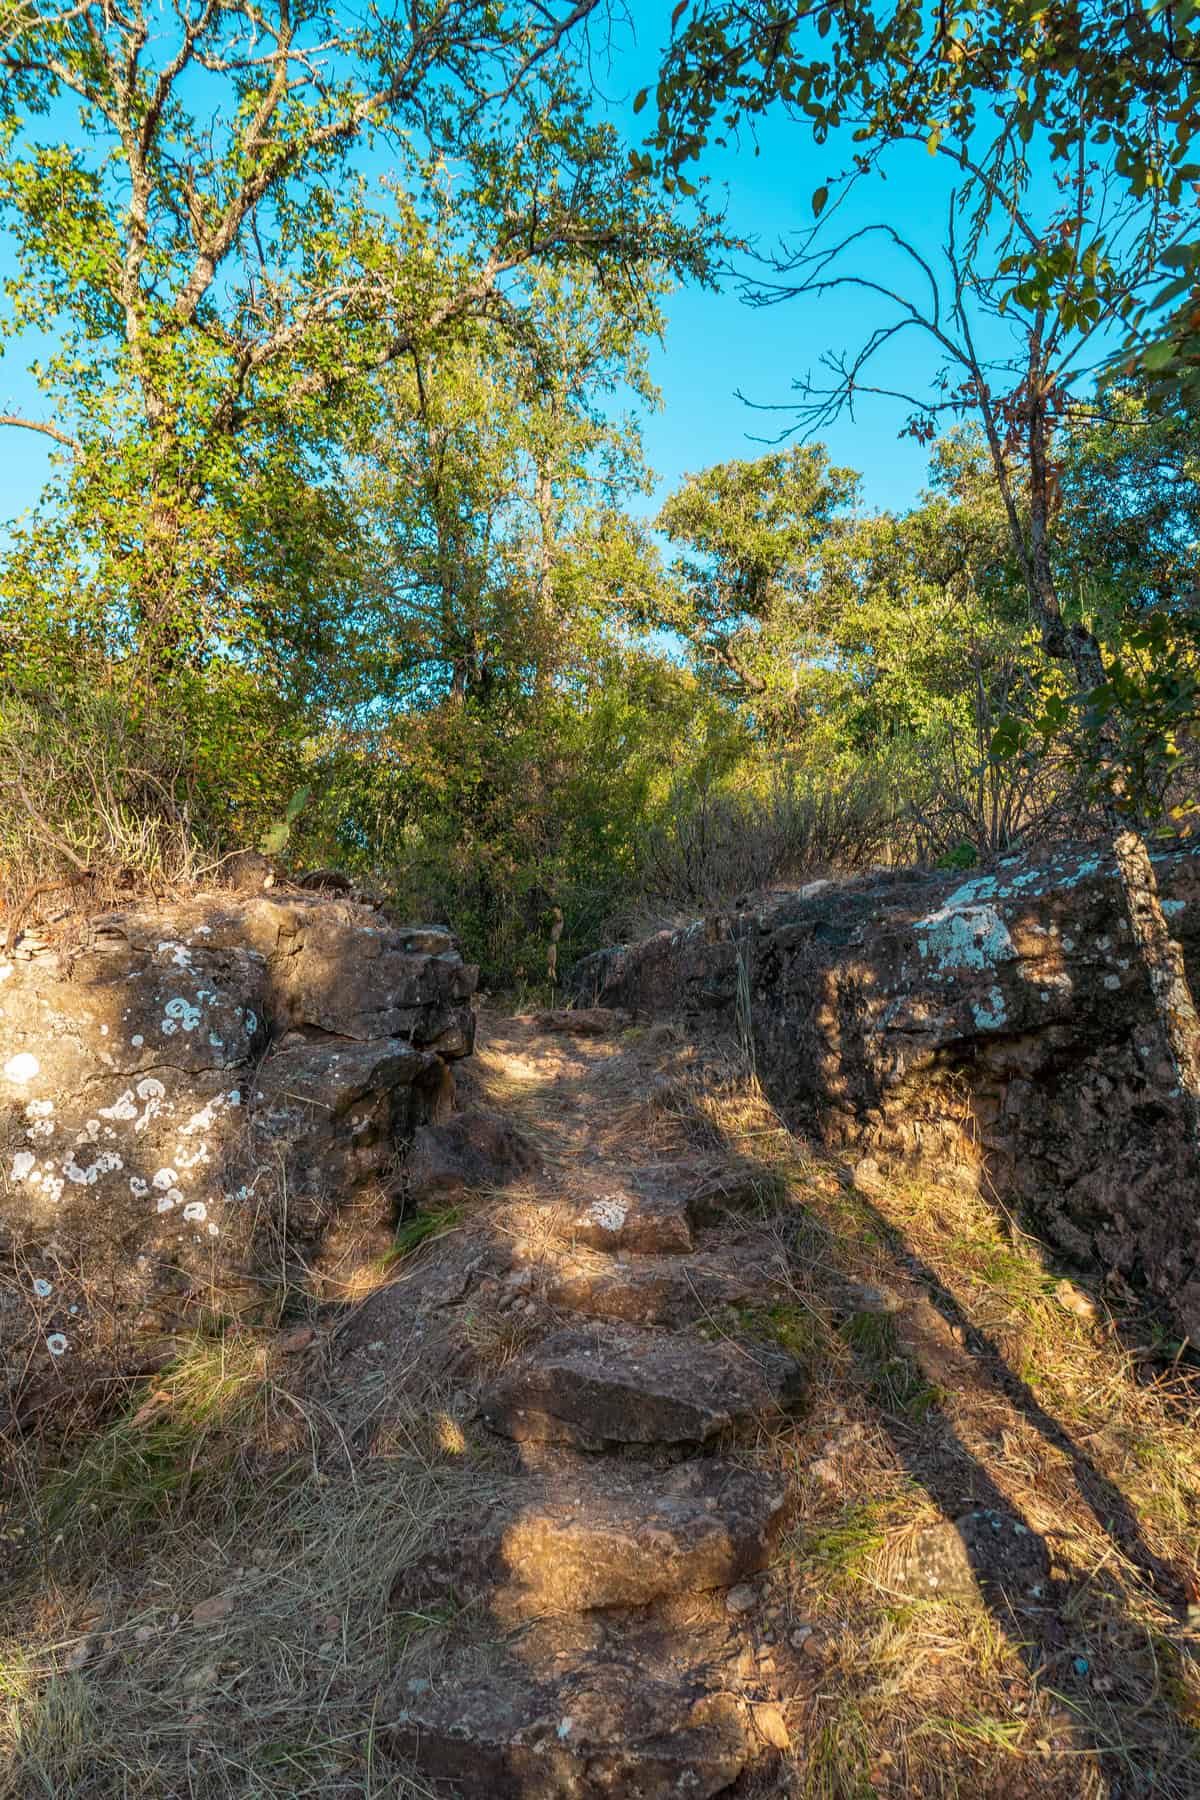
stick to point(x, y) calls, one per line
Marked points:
point(297, 1340)
point(213, 1610)
point(800, 1636)
point(741, 1599)
point(772, 1726)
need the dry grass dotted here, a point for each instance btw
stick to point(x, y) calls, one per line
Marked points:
point(1058, 1417)
point(223, 1487)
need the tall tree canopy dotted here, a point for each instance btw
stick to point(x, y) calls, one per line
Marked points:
point(235, 221)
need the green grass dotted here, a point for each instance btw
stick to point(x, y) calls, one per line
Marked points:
point(837, 1760)
point(839, 1552)
point(796, 1329)
point(179, 1432)
point(417, 1229)
point(893, 1379)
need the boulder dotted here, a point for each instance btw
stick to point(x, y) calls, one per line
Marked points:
point(1000, 1029)
point(650, 1215)
point(982, 1555)
point(651, 1290)
point(585, 1021)
point(475, 1150)
point(190, 1093)
point(617, 1384)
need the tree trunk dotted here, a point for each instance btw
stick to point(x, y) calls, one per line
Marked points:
point(1164, 965)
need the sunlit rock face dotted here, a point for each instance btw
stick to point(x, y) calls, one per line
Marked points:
point(1000, 1028)
point(189, 1094)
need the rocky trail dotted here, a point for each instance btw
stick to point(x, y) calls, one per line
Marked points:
point(724, 1459)
point(663, 1454)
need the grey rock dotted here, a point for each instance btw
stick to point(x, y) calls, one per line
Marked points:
point(645, 1718)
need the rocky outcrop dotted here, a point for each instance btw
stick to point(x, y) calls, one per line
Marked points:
point(188, 1094)
point(1000, 1027)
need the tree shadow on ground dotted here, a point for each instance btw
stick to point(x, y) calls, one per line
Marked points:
point(1076, 1640)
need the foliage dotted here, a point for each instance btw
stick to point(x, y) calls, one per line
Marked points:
point(754, 543)
point(103, 785)
point(226, 284)
point(944, 77)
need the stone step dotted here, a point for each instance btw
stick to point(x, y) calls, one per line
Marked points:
point(619, 1384)
point(642, 1715)
point(652, 1290)
point(651, 1216)
point(584, 1533)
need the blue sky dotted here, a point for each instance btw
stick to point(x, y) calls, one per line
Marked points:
point(715, 345)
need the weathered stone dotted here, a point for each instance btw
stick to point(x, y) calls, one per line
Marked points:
point(1001, 1028)
point(607, 1533)
point(621, 1385)
point(646, 1718)
point(161, 1142)
point(646, 1216)
point(649, 1290)
point(471, 1152)
point(966, 1558)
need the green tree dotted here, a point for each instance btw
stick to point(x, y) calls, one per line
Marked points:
point(225, 281)
point(750, 577)
point(492, 491)
point(945, 75)
point(1060, 283)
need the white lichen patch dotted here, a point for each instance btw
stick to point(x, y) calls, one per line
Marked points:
point(195, 1212)
point(608, 1213)
point(123, 1107)
point(6, 969)
point(206, 1118)
point(165, 1178)
point(964, 937)
point(137, 1040)
point(23, 1165)
point(151, 1091)
point(42, 1287)
point(105, 1164)
point(181, 956)
point(56, 1344)
point(166, 1202)
point(138, 1187)
point(1112, 982)
point(22, 1067)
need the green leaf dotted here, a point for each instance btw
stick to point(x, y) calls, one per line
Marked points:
point(297, 803)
